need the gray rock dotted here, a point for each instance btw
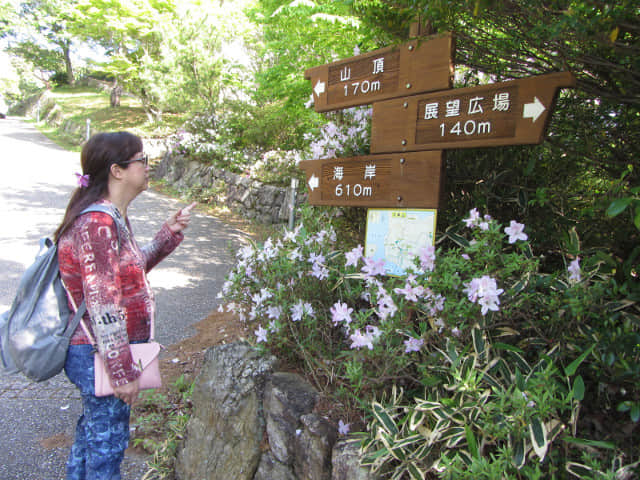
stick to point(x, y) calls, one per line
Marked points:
point(224, 434)
point(313, 448)
point(346, 462)
point(271, 469)
point(287, 397)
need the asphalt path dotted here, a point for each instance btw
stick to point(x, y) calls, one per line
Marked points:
point(37, 420)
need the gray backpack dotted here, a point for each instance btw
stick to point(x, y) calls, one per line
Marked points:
point(35, 332)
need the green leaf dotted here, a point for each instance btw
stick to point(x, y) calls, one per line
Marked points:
point(538, 434)
point(636, 220)
point(384, 418)
point(417, 418)
point(520, 381)
point(478, 341)
point(583, 442)
point(578, 388)
point(506, 346)
point(471, 442)
point(573, 366)
point(519, 453)
point(635, 412)
point(579, 470)
point(415, 472)
point(618, 206)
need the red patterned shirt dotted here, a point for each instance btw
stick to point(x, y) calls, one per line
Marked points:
point(102, 263)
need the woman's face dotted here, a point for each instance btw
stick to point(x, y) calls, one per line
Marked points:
point(136, 173)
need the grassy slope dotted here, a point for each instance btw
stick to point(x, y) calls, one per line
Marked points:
point(82, 103)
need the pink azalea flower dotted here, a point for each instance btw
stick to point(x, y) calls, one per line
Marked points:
point(485, 292)
point(413, 345)
point(354, 256)
point(360, 340)
point(372, 267)
point(515, 231)
point(340, 312)
point(343, 428)
point(428, 258)
point(574, 270)
point(261, 334)
point(410, 293)
point(474, 217)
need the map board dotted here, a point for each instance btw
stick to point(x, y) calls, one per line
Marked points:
point(397, 236)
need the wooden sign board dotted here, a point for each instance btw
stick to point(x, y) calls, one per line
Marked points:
point(395, 180)
point(508, 113)
point(423, 65)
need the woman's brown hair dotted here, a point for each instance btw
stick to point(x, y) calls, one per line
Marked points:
point(98, 154)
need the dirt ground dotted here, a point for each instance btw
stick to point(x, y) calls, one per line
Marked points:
point(186, 357)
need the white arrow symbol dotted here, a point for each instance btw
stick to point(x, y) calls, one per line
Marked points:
point(319, 88)
point(533, 110)
point(314, 182)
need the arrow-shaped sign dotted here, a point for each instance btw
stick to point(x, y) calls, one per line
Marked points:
point(492, 115)
point(314, 182)
point(319, 88)
point(533, 110)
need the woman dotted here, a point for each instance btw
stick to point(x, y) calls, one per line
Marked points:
point(101, 263)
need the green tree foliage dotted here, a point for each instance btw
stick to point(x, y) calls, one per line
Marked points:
point(583, 165)
point(294, 36)
point(197, 63)
point(43, 35)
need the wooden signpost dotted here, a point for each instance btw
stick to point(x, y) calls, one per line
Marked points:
point(411, 127)
point(398, 180)
point(508, 113)
point(415, 67)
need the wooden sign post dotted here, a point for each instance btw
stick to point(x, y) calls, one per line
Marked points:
point(398, 180)
point(411, 126)
point(508, 113)
point(415, 67)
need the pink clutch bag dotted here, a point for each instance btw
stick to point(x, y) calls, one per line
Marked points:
point(145, 355)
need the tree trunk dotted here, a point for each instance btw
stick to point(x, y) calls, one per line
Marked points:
point(116, 93)
point(67, 62)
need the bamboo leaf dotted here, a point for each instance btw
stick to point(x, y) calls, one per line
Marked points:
point(478, 342)
point(538, 434)
point(579, 470)
point(415, 472)
point(417, 419)
point(573, 366)
point(519, 452)
point(384, 418)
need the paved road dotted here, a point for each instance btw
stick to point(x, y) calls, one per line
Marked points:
point(37, 419)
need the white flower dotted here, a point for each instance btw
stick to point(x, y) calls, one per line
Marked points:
point(343, 428)
point(574, 270)
point(261, 334)
point(515, 231)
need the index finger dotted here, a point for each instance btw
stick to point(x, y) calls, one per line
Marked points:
point(188, 209)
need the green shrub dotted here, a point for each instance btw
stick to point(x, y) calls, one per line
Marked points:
point(475, 328)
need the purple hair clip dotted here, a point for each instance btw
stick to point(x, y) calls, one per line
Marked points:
point(83, 180)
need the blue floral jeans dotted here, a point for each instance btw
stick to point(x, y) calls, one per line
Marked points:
point(102, 432)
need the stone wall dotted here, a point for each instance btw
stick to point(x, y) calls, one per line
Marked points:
point(250, 198)
point(250, 422)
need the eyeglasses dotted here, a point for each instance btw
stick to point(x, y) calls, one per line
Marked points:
point(144, 159)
